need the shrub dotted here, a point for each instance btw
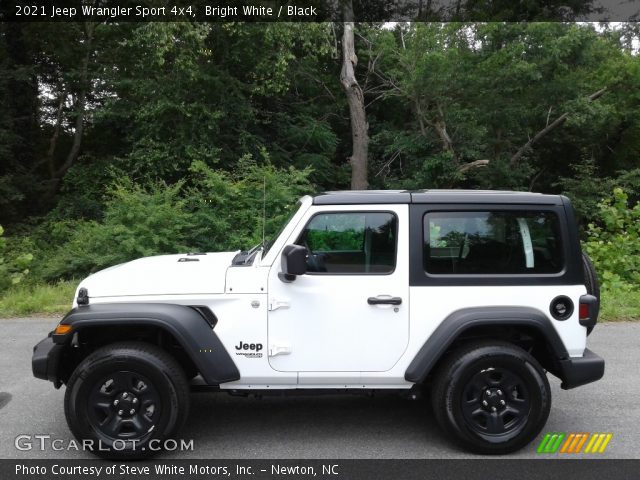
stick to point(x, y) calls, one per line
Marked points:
point(139, 221)
point(614, 242)
point(218, 211)
point(13, 270)
point(229, 206)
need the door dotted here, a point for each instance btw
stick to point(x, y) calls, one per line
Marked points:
point(350, 311)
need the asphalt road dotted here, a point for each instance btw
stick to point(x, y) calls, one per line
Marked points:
point(328, 426)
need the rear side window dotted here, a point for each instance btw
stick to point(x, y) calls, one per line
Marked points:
point(492, 242)
point(351, 242)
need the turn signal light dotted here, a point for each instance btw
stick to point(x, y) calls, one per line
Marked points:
point(62, 329)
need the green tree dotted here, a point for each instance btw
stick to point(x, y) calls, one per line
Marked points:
point(501, 105)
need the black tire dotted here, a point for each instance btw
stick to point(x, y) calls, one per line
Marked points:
point(115, 381)
point(492, 372)
point(591, 282)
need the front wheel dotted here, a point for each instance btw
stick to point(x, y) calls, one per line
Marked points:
point(493, 398)
point(125, 399)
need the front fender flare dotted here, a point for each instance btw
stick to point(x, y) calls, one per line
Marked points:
point(185, 324)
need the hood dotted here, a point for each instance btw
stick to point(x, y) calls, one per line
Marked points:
point(162, 275)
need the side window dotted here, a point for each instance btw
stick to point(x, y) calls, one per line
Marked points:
point(351, 242)
point(492, 243)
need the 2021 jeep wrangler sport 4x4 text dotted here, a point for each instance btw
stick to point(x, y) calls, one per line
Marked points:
point(474, 295)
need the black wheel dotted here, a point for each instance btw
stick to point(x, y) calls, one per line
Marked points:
point(590, 279)
point(126, 398)
point(493, 398)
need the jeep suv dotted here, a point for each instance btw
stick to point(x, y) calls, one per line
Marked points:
point(471, 296)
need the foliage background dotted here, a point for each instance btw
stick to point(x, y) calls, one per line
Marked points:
point(123, 140)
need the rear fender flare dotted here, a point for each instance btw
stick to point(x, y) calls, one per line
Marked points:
point(461, 320)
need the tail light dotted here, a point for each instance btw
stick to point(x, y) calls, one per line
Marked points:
point(588, 311)
point(584, 311)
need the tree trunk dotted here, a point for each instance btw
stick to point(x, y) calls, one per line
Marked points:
point(80, 111)
point(355, 98)
point(53, 141)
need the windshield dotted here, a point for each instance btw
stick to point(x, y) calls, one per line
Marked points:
point(269, 243)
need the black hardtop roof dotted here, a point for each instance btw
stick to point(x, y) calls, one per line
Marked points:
point(356, 197)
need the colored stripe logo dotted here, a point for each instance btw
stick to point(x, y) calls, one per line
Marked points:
point(574, 442)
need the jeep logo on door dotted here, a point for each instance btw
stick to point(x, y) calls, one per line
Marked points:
point(249, 350)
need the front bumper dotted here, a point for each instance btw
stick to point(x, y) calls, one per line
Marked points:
point(575, 372)
point(45, 361)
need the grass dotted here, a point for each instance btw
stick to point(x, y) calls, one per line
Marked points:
point(619, 305)
point(24, 299)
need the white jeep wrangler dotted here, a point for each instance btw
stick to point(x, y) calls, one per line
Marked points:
point(474, 295)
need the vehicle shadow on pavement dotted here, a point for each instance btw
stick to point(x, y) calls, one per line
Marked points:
point(327, 426)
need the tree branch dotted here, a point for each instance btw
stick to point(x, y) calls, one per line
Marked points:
point(475, 164)
point(550, 126)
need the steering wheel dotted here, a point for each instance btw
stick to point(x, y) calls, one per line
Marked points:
point(315, 261)
point(312, 262)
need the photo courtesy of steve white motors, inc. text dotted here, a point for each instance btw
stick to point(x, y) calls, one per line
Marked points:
point(166, 469)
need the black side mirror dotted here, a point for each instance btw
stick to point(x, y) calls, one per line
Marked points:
point(294, 262)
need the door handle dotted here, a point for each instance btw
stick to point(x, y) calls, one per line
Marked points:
point(384, 300)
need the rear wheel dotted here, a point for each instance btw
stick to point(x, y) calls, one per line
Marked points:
point(125, 399)
point(493, 398)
